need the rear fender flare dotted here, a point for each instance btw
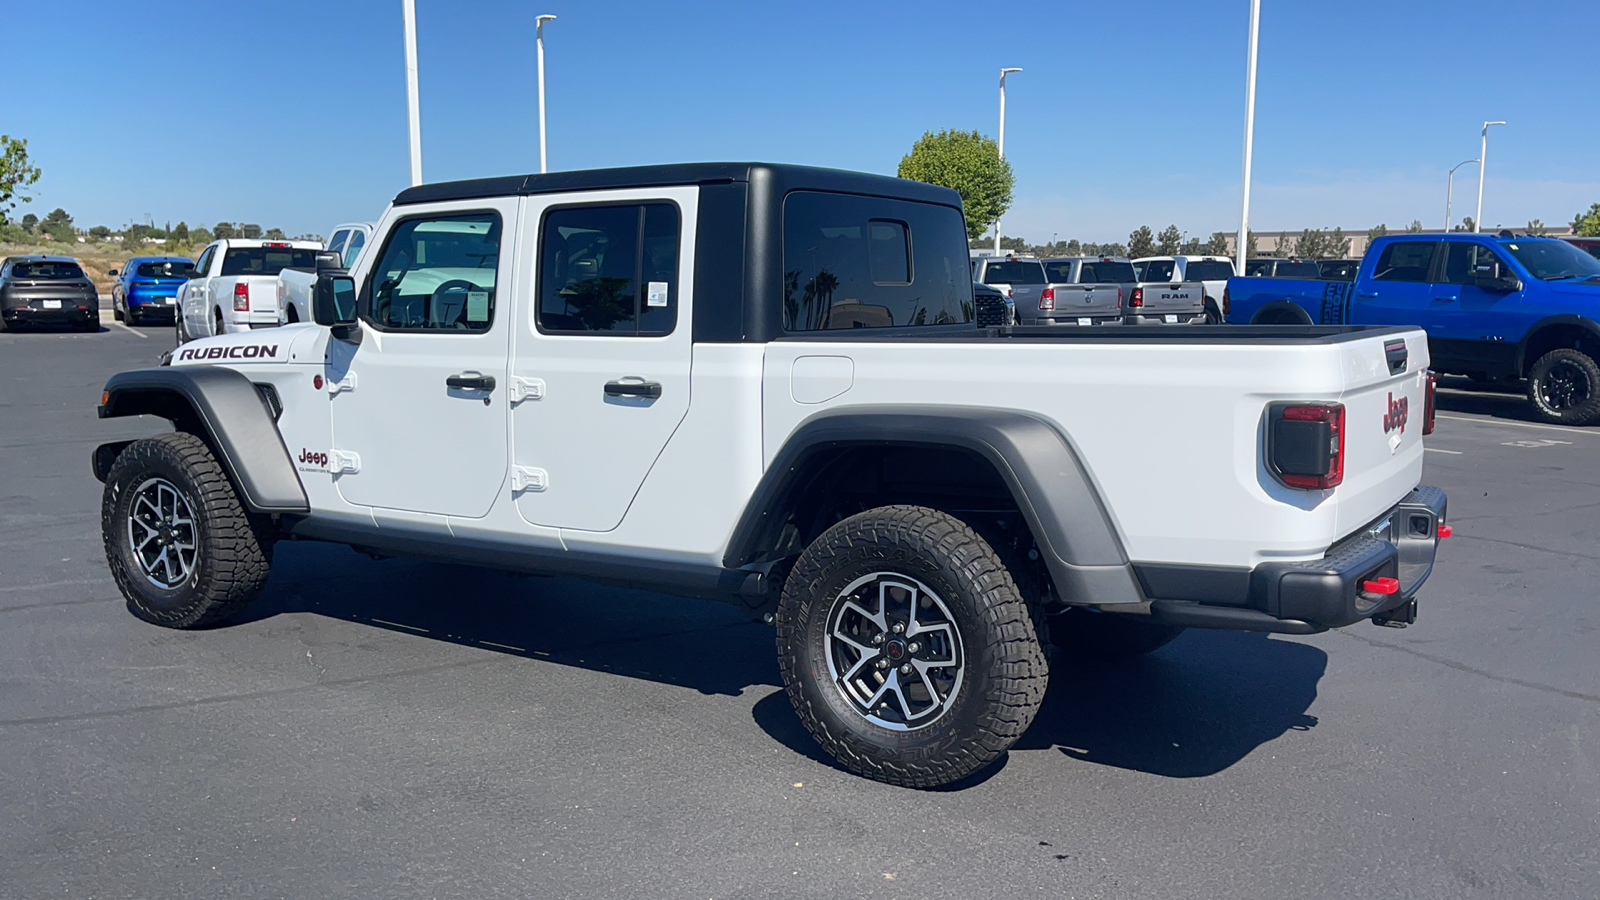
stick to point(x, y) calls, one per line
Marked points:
point(1274, 307)
point(1048, 482)
point(222, 406)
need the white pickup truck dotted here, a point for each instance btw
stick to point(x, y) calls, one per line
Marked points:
point(762, 383)
point(234, 286)
point(295, 284)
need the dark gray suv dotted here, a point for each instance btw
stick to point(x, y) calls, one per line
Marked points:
point(37, 289)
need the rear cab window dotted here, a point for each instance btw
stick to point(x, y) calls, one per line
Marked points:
point(171, 269)
point(1158, 270)
point(266, 260)
point(869, 262)
point(1298, 268)
point(1207, 270)
point(1107, 272)
point(1014, 272)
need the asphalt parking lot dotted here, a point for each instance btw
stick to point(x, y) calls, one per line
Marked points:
point(400, 729)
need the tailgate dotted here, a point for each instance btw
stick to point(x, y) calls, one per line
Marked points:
point(1161, 297)
point(263, 294)
point(1073, 300)
point(1385, 400)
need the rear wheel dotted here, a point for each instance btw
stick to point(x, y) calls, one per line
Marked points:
point(1094, 636)
point(116, 310)
point(216, 325)
point(1564, 387)
point(1213, 317)
point(181, 547)
point(906, 648)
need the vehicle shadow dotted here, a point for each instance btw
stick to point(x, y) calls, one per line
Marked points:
point(1193, 708)
point(700, 644)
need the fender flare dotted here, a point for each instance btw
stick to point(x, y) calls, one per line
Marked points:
point(225, 408)
point(1570, 319)
point(1048, 481)
point(1275, 306)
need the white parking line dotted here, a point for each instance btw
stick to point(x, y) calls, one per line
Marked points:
point(127, 329)
point(1566, 428)
point(1442, 450)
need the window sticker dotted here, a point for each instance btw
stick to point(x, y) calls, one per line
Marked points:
point(657, 294)
point(477, 306)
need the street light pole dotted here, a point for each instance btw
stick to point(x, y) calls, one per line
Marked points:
point(1449, 190)
point(539, 39)
point(1249, 133)
point(1003, 74)
point(1483, 158)
point(409, 12)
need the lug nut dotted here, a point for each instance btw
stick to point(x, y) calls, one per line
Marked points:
point(883, 663)
point(877, 639)
point(913, 646)
point(898, 628)
point(905, 669)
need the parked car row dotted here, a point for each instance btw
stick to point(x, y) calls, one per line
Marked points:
point(1086, 291)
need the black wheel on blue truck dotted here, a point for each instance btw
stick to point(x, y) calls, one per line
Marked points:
point(180, 545)
point(907, 649)
point(1564, 387)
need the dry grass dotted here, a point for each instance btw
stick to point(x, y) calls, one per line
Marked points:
point(98, 258)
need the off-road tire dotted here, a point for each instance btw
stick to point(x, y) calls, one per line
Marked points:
point(1547, 399)
point(116, 311)
point(1003, 668)
point(1086, 635)
point(233, 548)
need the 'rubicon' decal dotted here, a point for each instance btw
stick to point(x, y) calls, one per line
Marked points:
point(248, 351)
point(1397, 415)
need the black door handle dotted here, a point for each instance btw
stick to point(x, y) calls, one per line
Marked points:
point(470, 381)
point(650, 389)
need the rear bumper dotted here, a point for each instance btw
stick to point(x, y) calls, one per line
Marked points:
point(1078, 321)
point(70, 311)
point(1154, 318)
point(1314, 595)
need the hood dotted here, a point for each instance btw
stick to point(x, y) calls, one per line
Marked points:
point(1587, 290)
point(271, 345)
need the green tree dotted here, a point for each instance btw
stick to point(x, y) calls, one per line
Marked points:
point(224, 230)
point(1250, 249)
point(1191, 247)
point(1587, 224)
point(201, 237)
point(1141, 242)
point(1536, 227)
point(1415, 227)
point(1310, 244)
point(1013, 244)
point(1168, 241)
point(1337, 246)
point(1216, 246)
point(100, 232)
point(30, 222)
point(1375, 232)
point(180, 232)
point(274, 234)
point(250, 232)
point(58, 225)
point(16, 174)
point(969, 164)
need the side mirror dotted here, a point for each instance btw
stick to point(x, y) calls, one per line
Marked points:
point(333, 304)
point(1491, 277)
point(112, 272)
point(328, 259)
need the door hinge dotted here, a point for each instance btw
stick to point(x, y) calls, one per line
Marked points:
point(524, 478)
point(343, 461)
point(526, 389)
point(347, 383)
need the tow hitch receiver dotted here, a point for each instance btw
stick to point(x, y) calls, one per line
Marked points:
point(1399, 617)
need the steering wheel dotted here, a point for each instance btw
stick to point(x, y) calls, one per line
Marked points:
point(454, 284)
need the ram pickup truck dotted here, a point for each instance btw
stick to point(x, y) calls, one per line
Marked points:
point(1083, 290)
point(1157, 302)
point(1021, 278)
point(1212, 272)
point(295, 284)
point(1495, 306)
point(234, 286)
point(762, 384)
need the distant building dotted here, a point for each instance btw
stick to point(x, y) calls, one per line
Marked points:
point(1281, 243)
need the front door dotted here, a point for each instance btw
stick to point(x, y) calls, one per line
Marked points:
point(419, 409)
point(602, 351)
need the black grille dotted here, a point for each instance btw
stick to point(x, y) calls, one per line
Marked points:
point(989, 307)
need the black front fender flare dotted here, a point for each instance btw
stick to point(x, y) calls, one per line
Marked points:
point(225, 409)
point(1046, 478)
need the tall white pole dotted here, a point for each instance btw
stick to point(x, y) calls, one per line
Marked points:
point(1449, 190)
point(1249, 133)
point(539, 39)
point(413, 114)
point(1002, 142)
point(1483, 160)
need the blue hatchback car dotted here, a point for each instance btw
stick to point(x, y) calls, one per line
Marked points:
point(147, 287)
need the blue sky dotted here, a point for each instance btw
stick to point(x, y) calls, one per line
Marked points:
point(292, 114)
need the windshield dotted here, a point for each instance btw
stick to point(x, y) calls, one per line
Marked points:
point(1207, 270)
point(165, 270)
point(1552, 260)
point(1106, 273)
point(1015, 272)
point(267, 260)
point(47, 271)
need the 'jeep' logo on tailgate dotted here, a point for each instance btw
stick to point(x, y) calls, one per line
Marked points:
point(1396, 416)
point(251, 351)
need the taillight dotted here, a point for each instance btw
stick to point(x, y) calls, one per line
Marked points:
point(1305, 444)
point(1138, 297)
point(1119, 295)
point(1427, 404)
point(241, 297)
point(1227, 302)
point(1047, 298)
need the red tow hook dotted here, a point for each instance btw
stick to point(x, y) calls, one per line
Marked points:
point(1445, 531)
point(1381, 586)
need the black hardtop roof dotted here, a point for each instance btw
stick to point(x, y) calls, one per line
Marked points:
point(778, 177)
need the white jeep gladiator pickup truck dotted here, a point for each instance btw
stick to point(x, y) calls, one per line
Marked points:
point(762, 383)
point(234, 286)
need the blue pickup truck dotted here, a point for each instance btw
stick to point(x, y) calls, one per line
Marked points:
point(1495, 306)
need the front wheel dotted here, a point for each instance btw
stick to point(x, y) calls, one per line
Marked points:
point(181, 547)
point(1564, 387)
point(907, 649)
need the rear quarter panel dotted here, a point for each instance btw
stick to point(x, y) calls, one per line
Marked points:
point(1246, 297)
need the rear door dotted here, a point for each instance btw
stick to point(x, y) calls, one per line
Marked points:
point(603, 349)
point(419, 418)
point(1398, 291)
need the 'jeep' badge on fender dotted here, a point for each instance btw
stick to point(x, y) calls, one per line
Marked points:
point(1396, 417)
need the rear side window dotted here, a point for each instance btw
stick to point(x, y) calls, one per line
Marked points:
point(1106, 273)
point(870, 262)
point(437, 273)
point(1199, 270)
point(1019, 272)
point(266, 260)
point(1158, 270)
point(609, 270)
point(1405, 261)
